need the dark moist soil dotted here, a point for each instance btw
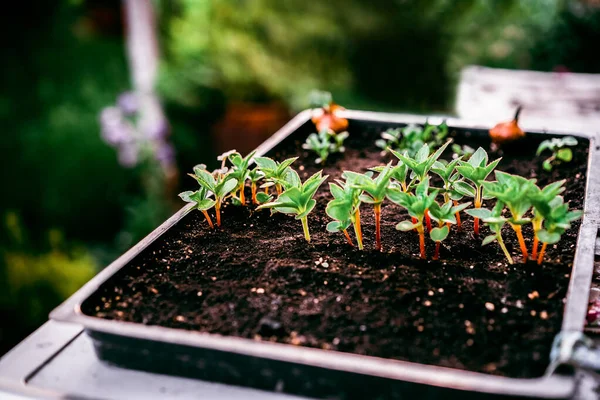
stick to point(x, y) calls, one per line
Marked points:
point(257, 278)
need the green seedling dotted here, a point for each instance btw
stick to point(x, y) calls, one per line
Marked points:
point(220, 184)
point(345, 210)
point(541, 200)
point(444, 215)
point(495, 221)
point(201, 201)
point(324, 143)
point(298, 200)
point(240, 172)
point(255, 175)
point(420, 166)
point(274, 172)
point(475, 170)
point(413, 137)
point(447, 171)
point(374, 192)
point(417, 205)
point(513, 191)
point(463, 151)
point(560, 151)
point(556, 223)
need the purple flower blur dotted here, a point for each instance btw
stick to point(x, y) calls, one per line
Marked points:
point(119, 130)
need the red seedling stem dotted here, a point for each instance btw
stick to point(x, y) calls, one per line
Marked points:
point(458, 223)
point(436, 255)
point(428, 220)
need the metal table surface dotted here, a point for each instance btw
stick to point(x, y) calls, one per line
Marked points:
point(58, 361)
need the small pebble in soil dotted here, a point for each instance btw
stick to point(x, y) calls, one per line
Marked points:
point(302, 292)
point(180, 318)
point(533, 313)
point(544, 315)
point(533, 295)
point(363, 328)
point(427, 303)
point(504, 310)
point(430, 293)
point(519, 304)
point(441, 290)
point(470, 342)
point(325, 264)
point(335, 341)
point(461, 305)
point(489, 306)
point(199, 293)
point(260, 291)
point(420, 328)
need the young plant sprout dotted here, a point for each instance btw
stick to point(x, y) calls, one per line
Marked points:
point(541, 200)
point(412, 137)
point(447, 171)
point(420, 166)
point(221, 185)
point(560, 151)
point(201, 200)
point(298, 200)
point(344, 209)
point(495, 221)
point(475, 170)
point(556, 223)
point(274, 172)
point(240, 172)
point(506, 132)
point(374, 192)
point(463, 151)
point(513, 191)
point(255, 175)
point(417, 205)
point(325, 143)
point(445, 215)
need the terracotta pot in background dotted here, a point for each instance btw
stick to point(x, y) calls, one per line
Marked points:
point(246, 125)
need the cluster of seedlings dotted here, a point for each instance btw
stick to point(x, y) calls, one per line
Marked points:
point(434, 192)
point(408, 183)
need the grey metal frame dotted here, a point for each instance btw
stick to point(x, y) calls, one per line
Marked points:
point(551, 385)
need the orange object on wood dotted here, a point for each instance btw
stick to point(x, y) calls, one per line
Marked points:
point(505, 132)
point(326, 119)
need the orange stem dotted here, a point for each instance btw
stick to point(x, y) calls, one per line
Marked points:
point(517, 229)
point(534, 248)
point(422, 242)
point(267, 190)
point(218, 210)
point(436, 255)
point(278, 188)
point(242, 196)
point(377, 208)
point(348, 238)
point(253, 187)
point(358, 229)
point(541, 256)
point(208, 219)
